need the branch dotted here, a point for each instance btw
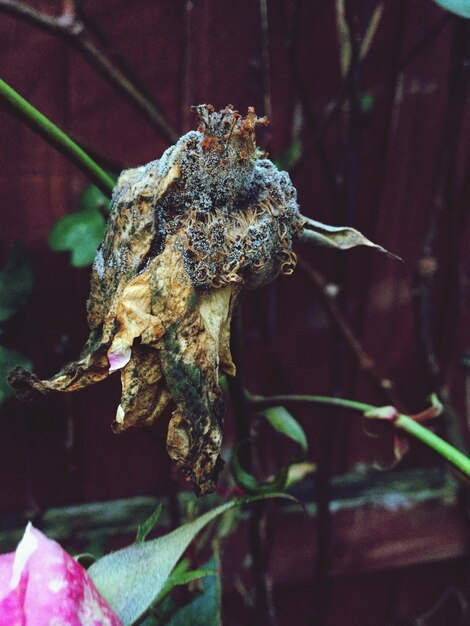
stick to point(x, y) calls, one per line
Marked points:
point(441, 217)
point(265, 64)
point(264, 607)
point(43, 126)
point(400, 421)
point(366, 363)
point(73, 31)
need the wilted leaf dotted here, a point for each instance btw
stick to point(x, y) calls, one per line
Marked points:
point(459, 7)
point(81, 233)
point(131, 579)
point(342, 237)
point(144, 529)
point(16, 282)
point(205, 609)
point(8, 360)
point(282, 421)
point(400, 447)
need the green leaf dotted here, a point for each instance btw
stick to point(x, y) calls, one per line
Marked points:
point(81, 233)
point(252, 485)
point(290, 157)
point(93, 198)
point(223, 383)
point(282, 421)
point(459, 7)
point(367, 102)
point(298, 471)
point(131, 579)
point(16, 282)
point(176, 580)
point(149, 524)
point(9, 359)
point(205, 609)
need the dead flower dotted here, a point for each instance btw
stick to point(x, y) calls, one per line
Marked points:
point(186, 234)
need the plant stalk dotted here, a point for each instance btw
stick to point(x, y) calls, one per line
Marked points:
point(55, 136)
point(403, 422)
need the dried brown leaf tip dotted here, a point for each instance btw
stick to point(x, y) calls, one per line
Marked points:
point(186, 234)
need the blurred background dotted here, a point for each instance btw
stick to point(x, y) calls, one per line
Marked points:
point(368, 103)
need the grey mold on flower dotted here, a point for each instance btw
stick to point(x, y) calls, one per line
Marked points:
point(239, 212)
point(186, 234)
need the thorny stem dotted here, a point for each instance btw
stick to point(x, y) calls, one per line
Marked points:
point(56, 137)
point(41, 124)
point(75, 32)
point(401, 421)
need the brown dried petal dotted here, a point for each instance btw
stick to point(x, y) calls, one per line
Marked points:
point(144, 392)
point(185, 234)
point(91, 368)
point(190, 363)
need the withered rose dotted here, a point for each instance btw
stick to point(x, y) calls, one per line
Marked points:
point(185, 235)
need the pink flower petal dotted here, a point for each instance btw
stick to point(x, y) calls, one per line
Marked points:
point(6, 566)
point(118, 360)
point(41, 585)
point(11, 600)
point(27, 546)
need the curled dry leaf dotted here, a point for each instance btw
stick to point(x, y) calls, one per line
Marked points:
point(186, 234)
point(391, 414)
point(342, 237)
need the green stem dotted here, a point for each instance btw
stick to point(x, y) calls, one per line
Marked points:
point(444, 449)
point(402, 422)
point(57, 137)
point(261, 402)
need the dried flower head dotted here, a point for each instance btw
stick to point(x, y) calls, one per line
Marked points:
point(186, 233)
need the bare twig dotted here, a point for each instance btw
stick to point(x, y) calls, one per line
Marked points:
point(368, 366)
point(292, 37)
point(71, 29)
point(188, 74)
point(428, 37)
point(263, 605)
point(439, 220)
point(265, 64)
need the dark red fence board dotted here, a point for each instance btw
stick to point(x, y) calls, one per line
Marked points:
point(210, 51)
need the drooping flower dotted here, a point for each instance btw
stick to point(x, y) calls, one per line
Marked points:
point(42, 585)
point(186, 234)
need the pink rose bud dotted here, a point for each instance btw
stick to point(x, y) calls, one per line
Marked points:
point(41, 585)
